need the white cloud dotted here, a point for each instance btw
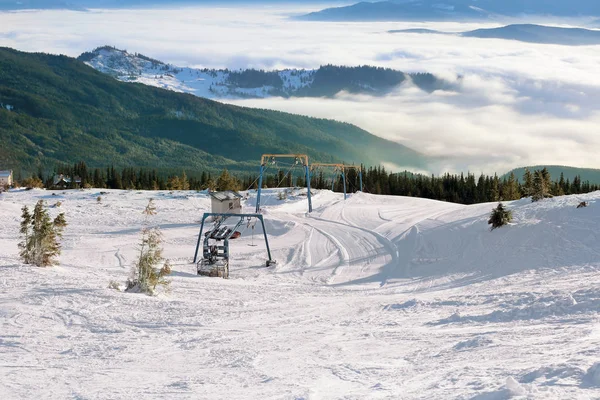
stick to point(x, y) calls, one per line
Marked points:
point(520, 103)
point(480, 138)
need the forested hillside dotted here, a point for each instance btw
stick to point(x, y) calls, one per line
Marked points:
point(57, 109)
point(325, 81)
point(585, 174)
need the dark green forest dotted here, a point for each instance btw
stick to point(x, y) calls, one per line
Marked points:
point(584, 174)
point(457, 188)
point(329, 80)
point(63, 111)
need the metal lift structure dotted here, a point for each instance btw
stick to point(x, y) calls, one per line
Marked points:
point(215, 249)
point(359, 169)
point(271, 158)
point(336, 168)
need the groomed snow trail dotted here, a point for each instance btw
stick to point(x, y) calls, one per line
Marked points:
point(374, 297)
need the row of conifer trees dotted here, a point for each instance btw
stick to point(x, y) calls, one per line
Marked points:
point(457, 188)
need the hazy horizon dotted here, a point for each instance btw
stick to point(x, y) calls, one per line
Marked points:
point(520, 104)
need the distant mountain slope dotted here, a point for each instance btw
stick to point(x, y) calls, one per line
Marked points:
point(395, 11)
point(453, 10)
point(55, 108)
point(540, 34)
point(526, 33)
point(586, 174)
point(326, 81)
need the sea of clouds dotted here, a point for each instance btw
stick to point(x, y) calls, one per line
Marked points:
point(518, 104)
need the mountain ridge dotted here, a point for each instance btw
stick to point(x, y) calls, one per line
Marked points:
point(452, 10)
point(57, 109)
point(586, 174)
point(529, 33)
point(326, 81)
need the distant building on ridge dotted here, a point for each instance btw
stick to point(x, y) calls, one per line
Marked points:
point(64, 182)
point(6, 178)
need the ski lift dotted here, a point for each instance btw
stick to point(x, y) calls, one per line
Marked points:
point(215, 249)
point(270, 158)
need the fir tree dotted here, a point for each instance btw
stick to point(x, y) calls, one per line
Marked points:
point(227, 182)
point(547, 179)
point(541, 185)
point(145, 274)
point(211, 185)
point(40, 244)
point(527, 183)
point(174, 183)
point(500, 216)
point(511, 188)
point(185, 184)
point(26, 245)
point(538, 186)
point(562, 184)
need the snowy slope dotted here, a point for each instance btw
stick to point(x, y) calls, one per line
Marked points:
point(209, 83)
point(375, 297)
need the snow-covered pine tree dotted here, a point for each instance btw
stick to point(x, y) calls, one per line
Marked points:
point(538, 186)
point(26, 245)
point(40, 245)
point(541, 185)
point(511, 188)
point(527, 183)
point(500, 216)
point(46, 245)
point(145, 274)
point(51, 233)
point(547, 180)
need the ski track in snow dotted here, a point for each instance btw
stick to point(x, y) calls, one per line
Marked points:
point(375, 297)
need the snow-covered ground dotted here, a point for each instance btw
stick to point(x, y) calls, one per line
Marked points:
point(375, 297)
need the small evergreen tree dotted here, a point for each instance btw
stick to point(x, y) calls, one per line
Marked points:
point(211, 185)
point(511, 191)
point(500, 216)
point(185, 183)
point(174, 183)
point(227, 182)
point(32, 182)
point(527, 183)
point(26, 245)
point(541, 185)
point(145, 275)
point(40, 245)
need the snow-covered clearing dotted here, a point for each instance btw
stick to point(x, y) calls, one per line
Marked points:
point(375, 297)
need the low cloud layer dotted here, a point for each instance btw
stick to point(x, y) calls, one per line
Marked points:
point(479, 130)
point(520, 103)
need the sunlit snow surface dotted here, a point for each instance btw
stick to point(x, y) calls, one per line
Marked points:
point(376, 297)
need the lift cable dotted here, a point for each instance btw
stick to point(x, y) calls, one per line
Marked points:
point(280, 182)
